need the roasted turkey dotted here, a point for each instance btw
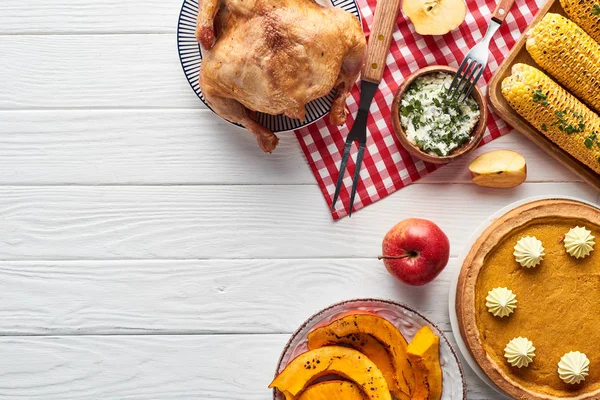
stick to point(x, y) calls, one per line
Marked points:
point(274, 56)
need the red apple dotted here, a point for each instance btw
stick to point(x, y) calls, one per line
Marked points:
point(415, 251)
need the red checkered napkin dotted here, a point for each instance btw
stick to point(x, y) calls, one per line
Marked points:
point(387, 166)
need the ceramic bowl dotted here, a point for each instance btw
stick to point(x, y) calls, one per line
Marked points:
point(413, 149)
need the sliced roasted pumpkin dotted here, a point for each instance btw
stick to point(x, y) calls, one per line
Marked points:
point(383, 331)
point(332, 390)
point(367, 345)
point(424, 354)
point(332, 360)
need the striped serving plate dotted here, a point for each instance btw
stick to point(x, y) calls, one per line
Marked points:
point(190, 55)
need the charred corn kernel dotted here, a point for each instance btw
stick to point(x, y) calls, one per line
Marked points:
point(586, 14)
point(556, 113)
point(569, 55)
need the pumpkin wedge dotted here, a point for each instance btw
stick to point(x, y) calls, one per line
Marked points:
point(368, 323)
point(332, 360)
point(332, 390)
point(367, 345)
point(424, 354)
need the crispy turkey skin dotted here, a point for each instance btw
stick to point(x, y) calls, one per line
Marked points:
point(274, 56)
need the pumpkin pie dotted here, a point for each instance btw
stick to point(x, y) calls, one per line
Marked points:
point(558, 301)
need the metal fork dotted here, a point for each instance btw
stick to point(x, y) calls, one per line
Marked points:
point(474, 64)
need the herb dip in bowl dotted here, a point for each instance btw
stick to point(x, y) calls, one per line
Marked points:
point(432, 126)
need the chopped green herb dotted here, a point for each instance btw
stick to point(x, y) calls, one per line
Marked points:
point(435, 122)
point(596, 9)
point(560, 122)
point(416, 120)
point(415, 86)
point(591, 140)
point(564, 126)
point(544, 127)
point(540, 97)
point(437, 151)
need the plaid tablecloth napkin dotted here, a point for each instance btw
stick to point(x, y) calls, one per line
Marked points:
point(387, 167)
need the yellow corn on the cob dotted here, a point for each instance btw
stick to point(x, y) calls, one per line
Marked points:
point(555, 113)
point(586, 14)
point(569, 54)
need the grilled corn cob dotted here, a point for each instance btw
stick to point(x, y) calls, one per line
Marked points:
point(555, 113)
point(569, 55)
point(586, 14)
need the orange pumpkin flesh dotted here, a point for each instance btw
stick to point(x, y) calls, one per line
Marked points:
point(424, 354)
point(367, 345)
point(369, 323)
point(332, 360)
point(332, 390)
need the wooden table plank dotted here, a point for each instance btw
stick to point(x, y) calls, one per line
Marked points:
point(107, 71)
point(182, 222)
point(140, 147)
point(100, 147)
point(59, 17)
point(222, 367)
point(196, 296)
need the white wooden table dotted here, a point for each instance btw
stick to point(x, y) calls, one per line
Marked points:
point(150, 250)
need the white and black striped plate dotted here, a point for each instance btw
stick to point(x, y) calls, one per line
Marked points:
point(190, 55)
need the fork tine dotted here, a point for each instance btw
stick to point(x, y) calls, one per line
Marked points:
point(468, 93)
point(458, 73)
point(463, 74)
point(359, 158)
point(464, 81)
point(469, 80)
point(340, 179)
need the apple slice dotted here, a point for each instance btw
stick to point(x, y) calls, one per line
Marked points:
point(435, 17)
point(499, 169)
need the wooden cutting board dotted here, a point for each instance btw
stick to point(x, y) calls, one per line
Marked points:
point(519, 54)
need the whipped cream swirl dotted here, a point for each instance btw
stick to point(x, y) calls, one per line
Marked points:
point(519, 352)
point(529, 251)
point(573, 367)
point(579, 242)
point(501, 302)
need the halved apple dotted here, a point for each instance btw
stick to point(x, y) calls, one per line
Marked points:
point(435, 17)
point(348, 363)
point(499, 169)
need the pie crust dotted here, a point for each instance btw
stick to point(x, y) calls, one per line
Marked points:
point(493, 236)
